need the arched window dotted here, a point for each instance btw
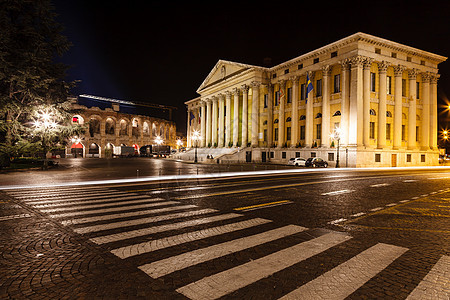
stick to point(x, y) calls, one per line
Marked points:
point(417, 117)
point(404, 116)
point(276, 121)
point(94, 126)
point(337, 113)
point(265, 122)
point(145, 128)
point(288, 119)
point(372, 112)
point(302, 117)
point(388, 114)
point(123, 127)
point(110, 126)
point(319, 115)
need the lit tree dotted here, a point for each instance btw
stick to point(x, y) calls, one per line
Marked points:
point(30, 79)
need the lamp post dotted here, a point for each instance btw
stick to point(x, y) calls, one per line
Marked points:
point(336, 135)
point(196, 137)
point(44, 123)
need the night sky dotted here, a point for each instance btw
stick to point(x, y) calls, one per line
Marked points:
point(161, 51)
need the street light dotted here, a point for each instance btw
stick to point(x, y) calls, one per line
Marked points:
point(196, 137)
point(336, 135)
point(158, 141)
point(44, 123)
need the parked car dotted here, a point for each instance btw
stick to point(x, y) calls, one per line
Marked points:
point(315, 162)
point(297, 161)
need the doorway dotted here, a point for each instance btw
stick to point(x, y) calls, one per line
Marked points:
point(394, 160)
point(248, 156)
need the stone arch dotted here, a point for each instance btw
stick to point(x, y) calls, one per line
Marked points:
point(154, 129)
point(135, 127)
point(161, 130)
point(145, 128)
point(77, 119)
point(372, 112)
point(94, 125)
point(337, 113)
point(110, 125)
point(94, 150)
point(123, 127)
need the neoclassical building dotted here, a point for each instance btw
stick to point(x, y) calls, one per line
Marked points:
point(380, 96)
point(111, 123)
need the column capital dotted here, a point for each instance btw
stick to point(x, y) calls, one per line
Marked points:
point(311, 74)
point(357, 61)
point(215, 98)
point(398, 70)
point(382, 66)
point(227, 94)
point(426, 77)
point(345, 64)
point(412, 73)
point(235, 91)
point(326, 70)
point(434, 78)
point(255, 84)
point(245, 88)
point(294, 79)
point(367, 63)
point(282, 83)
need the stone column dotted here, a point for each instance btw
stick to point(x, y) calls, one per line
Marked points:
point(398, 106)
point(325, 142)
point(281, 116)
point(433, 110)
point(208, 122)
point(426, 112)
point(214, 121)
point(221, 125)
point(294, 114)
point(255, 113)
point(412, 111)
point(366, 101)
point(244, 115)
point(344, 101)
point(382, 94)
point(203, 124)
point(270, 116)
point(235, 117)
point(188, 128)
point(309, 115)
point(228, 119)
point(355, 116)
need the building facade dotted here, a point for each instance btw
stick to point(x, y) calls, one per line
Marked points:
point(112, 123)
point(378, 96)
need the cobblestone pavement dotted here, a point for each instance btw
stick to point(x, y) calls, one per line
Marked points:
point(102, 242)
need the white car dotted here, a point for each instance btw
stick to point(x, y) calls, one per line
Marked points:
point(297, 161)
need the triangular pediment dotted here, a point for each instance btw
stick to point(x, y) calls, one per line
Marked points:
point(222, 71)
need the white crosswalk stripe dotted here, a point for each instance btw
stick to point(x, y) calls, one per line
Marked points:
point(436, 285)
point(339, 285)
point(127, 222)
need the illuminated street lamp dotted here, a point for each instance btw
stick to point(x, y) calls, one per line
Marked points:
point(45, 126)
point(179, 144)
point(158, 141)
point(196, 137)
point(336, 135)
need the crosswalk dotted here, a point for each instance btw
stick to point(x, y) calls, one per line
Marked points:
point(136, 227)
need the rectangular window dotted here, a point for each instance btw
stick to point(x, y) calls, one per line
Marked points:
point(422, 158)
point(403, 132)
point(372, 130)
point(283, 154)
point(377, 157)
point(313, 154)
point(408, 157)
point(417, 133)
point(274, 75)
point(372, 82)
point(408, 58)
point(275, 135)
point(302, 91)
point(333, 54)
point(377, 50)
point(289, 95)
point(266, 100)
point(277, 98)
point(319, 88)
point(288, 133)
point(417, 90)
point(394, 55)
point(316, 60)
point(272, 154)
point(403, 87)
point(318, 131)
point(297, 154)
point(265, 135)
point(388, 131)
point(337, 83)
point(330, 156)
point(300, 66)
point(286, 71)
point(389, 85)
point(302, 132)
